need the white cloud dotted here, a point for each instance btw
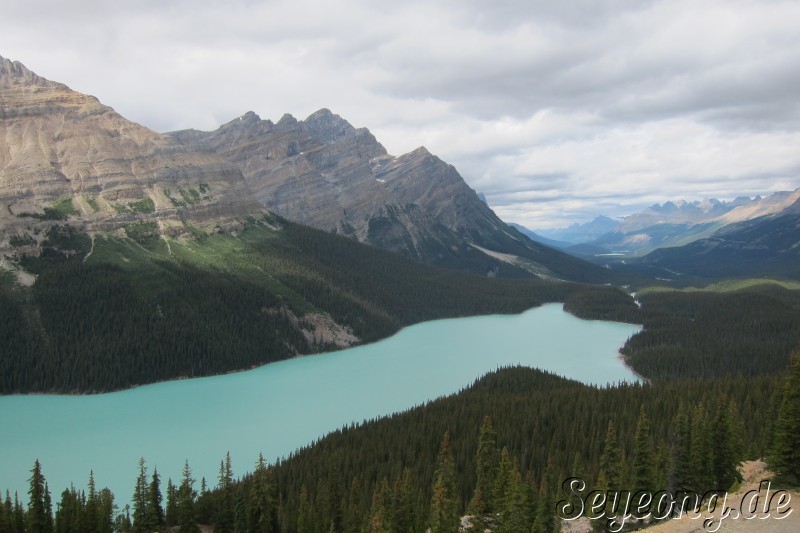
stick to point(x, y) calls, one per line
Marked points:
point(556, 110)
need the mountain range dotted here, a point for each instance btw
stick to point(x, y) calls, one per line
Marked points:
point(68, 157)
point(709, 238)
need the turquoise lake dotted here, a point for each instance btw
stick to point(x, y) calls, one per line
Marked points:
point(276, 408)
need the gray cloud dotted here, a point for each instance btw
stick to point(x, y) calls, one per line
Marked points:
point(556, 110)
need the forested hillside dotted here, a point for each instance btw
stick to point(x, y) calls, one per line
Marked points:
point(749, 331)
point(111, 312)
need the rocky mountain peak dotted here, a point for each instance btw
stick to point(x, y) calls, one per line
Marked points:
point(287, 118)
point(15, 69)
point(250, 116)
point(327, 127)
point(421, 152)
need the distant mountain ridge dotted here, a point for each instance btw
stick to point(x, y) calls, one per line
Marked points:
point(670, 224)
point(765, 246)
point(580, 233)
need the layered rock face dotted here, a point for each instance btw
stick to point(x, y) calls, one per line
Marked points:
point(325, 173)
point(66, 157)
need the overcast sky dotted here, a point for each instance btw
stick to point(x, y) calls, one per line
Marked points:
point(556, 110)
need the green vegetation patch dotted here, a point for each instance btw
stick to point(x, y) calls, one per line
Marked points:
point(61, 210)
point(145, 205)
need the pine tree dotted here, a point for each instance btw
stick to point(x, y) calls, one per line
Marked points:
point(545, 521)
point(224, 511)
point(333, 500)
point(185, 505)
point(19, 515)
point(486, 468)
point(305, 519)
point(701, 450)
point(611, 460)
point(171, 511)
point(681, 473)
point(139, 500)
point(502, 481)
point(354, 510)
point(642, 474)
point(105, 509)
point(91, 524)
point(39, 517)
point(154, 512)
point(784, 457)
point(515, 517)
point(380, 519)
point(724, 459)
point(262, 508)
point(444, 501)
point(403, 515)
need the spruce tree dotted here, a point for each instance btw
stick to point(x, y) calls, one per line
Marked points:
point(305, 519)
point(224, 511)
point(171, 511)
point(39, 517)
point(701, 450)
point(444, 501)
point(642, 474)
point(332, 500)
point(380, 519)
point(139, 500)
point(185, 505)
point(262, 506)
point(106, 509)
point(19, 515)
point(502, 481)
point(486, 469)
point(611, 460)
point(514, 516)
point(724, 459)
point(154, 512)
point(681, 473)
point(784, 457)
point(403, 505)
point(545, 520)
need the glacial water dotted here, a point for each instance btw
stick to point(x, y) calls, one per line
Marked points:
point(279, 407)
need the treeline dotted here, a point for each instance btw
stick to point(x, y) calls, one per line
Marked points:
point(132, 314)
point(397, 474)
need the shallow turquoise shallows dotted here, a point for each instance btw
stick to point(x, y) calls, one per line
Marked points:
point(279, 407)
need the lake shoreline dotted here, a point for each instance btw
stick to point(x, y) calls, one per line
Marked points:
point(312, 354)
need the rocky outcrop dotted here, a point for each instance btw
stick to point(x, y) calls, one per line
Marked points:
point(67, 158)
